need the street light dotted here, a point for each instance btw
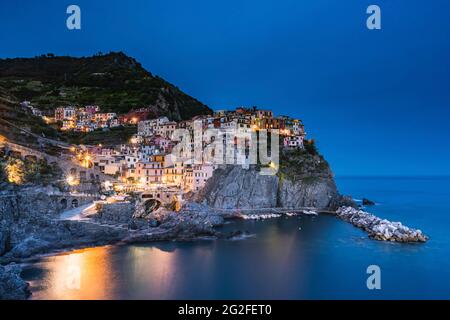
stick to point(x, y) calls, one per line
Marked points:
point(133, 140)
point(71, 181)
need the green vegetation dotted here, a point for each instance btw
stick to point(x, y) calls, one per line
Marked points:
point(310, 147)
point(114, 81)
point(306, 164)
point(29, 170)
point(28, 122)
point(106, 137)
point(15, 124)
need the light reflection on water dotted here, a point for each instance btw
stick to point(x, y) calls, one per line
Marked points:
point(82, 274)
point(325, 259)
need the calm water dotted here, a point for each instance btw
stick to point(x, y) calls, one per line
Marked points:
point(288, 258)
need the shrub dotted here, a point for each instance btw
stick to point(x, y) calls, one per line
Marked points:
point(310, 147)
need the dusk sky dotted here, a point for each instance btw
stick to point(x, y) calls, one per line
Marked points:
point(376, 101)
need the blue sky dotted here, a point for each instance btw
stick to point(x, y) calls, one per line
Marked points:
point(377, 102)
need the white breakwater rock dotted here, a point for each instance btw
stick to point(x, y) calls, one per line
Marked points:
point(291, 214)
point(260, 216)
point(310, 213)
point(380, 229)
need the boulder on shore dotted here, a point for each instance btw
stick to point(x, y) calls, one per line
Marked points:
point(367, 202)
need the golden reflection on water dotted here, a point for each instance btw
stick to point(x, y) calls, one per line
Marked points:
point(80, 274)
point(168, 271)
point(101, 273)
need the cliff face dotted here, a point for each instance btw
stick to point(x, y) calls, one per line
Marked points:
point(234, 187)
point(22, 214)
point(320, 193)
point(304, 179)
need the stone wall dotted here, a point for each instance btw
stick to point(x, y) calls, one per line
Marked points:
point(115, 213)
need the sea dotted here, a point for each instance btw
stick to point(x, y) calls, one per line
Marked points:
point(300, 257)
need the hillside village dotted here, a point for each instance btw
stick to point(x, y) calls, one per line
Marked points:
point(109, 115)
point(83, 164)
point(147, 163)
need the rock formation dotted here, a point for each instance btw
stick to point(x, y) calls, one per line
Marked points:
point(380, 229)
point(303, 180)
point(29, 225)
point(367, 202)
point(12, 287)
point(234, 187)
point(27, 229)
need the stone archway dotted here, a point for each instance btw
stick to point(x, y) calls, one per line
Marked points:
point(63, 204)
point(75, 203)
point(151, 205)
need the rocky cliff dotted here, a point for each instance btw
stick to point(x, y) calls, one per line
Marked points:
point(29, 225)
point(304, 179)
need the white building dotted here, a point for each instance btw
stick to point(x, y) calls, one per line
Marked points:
point(149, 127)
point(112, 168)
point(114, 123)
point(166, 129)
point(65, 113)
point(131, 160)
point(293, 142)
point(104, 117)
